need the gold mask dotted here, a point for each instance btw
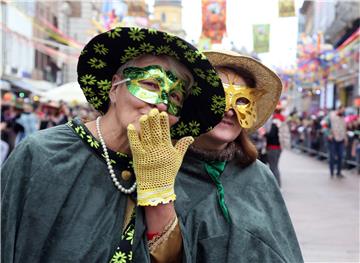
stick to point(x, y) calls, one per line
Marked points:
point(242, 100)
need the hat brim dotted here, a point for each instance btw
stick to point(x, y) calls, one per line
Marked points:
point(107, 52)
point(265, 79)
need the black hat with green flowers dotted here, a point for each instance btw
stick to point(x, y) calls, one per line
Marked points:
point(106, 52)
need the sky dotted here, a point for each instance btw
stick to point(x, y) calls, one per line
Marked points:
point(241, 15)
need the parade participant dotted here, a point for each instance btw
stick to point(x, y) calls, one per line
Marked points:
point(69, 193)
point(229, 204)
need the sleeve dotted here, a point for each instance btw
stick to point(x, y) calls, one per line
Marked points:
point(15, 179)
point(168, 247)
point(283, 238)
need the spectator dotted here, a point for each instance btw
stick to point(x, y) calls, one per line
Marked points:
point(277, 138)
point(336, 139)
point(29, 122)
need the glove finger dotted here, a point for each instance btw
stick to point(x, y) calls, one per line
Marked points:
point(155, 128)
point(145, 133)
point(165, 128)
point(133, 137)
point(183, 144)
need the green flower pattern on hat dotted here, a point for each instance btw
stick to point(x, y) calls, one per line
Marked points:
point(88, 92)
point(191, 56)
point(88, 79)
point(114, 33)
point(169, 37)
point(194, 128)
point(106, 52)
point(146, 47)
point(200, 73)
point(196, 90)
point(200, 54)
point(218, 104)
point(163, 50)
point(100, 49)
point(136, 34)
point(97, 63)
point(182, 129)
point(181, 44)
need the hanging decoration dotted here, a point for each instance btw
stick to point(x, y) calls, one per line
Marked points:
point(286, 8)
point(37, 44)
point(261, 38)
point(50, 30)
point(214, 20)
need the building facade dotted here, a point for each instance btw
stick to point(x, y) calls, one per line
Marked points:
point(168, 15)
point(332, 24)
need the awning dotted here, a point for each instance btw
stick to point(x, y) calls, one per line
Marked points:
point(40, 86)
point(4, 85)
point(19, 84)
point(69, 92)
point(36, 87)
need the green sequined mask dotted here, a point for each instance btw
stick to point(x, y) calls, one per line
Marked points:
point(155, 85)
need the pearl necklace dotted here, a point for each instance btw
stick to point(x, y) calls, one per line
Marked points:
point(108, 162)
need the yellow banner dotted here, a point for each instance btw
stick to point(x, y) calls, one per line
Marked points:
point(286, 8)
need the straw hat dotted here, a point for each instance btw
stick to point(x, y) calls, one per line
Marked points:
point(106, 52)
point(265, 79)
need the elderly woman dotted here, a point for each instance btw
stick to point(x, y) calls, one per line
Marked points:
point(229, 204)
point(69, 193)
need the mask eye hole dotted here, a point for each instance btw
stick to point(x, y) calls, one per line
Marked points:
point(150, 85)
point(242, 101)
point(176, 97)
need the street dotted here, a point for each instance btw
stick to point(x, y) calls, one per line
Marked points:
point(324, 211)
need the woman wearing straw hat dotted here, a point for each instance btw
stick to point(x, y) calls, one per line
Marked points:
point(228, 202)
point(69, 193)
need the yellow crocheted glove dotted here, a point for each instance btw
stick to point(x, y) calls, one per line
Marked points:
point(156, 161)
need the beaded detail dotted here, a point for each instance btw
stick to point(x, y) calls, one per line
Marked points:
point(108, 162)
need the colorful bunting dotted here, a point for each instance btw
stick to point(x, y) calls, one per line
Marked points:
point(37, 44)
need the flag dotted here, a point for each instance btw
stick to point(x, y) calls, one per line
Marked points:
point(286, 8)
point(214, 19)
point(261, 36)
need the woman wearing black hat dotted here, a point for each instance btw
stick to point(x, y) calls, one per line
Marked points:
point(69, 192)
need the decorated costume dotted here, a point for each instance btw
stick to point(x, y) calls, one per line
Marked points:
point(59, 202)
point(228, 212)
point(257, 228)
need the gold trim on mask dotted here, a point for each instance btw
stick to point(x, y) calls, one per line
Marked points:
point(242, 100)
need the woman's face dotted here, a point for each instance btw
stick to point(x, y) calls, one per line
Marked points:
point(229, 128)
point(128, 108)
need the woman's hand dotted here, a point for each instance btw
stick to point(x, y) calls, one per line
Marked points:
point(156, 161)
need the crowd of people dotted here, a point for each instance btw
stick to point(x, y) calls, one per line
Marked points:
point(318, 133)
point(333, 135)
point(21, 117)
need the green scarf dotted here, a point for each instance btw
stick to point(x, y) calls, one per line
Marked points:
point(214, 170)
